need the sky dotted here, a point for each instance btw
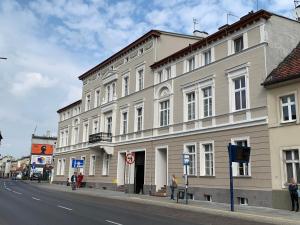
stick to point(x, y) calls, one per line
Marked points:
point(49, 43)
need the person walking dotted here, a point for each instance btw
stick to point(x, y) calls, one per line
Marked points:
point(79, 180)
point(293, 189)
point(74, 181)
point(173, 186)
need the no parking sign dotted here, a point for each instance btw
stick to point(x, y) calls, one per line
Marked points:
point(130, 157)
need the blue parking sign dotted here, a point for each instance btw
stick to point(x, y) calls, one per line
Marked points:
point(77, 163)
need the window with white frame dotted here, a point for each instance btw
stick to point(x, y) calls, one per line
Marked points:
point(140, 79)
point(92, 165)
point(241, 169)
point(58, 167)
point(75, 132)
point(291, 165)
point(168, 72)
point(95, 126)
point(82, 170)
point(124, 122)
point(125, 85)
point(66, 142)
point(190, 105)
point(190, 150)
point(62, 135)
point(288, 108)
point(160, 76)
point(208, 154)
point(97, 98)
point(207, 57)
point(191, 64)
point(85, 134)
point(207, 101)
point(63, 166)
point(239, 88)
point(87, 102)
point(105, 164)
point(164, 113)
point(139, 118)
point(108, 93)
point(238, 44)
point(109, 124)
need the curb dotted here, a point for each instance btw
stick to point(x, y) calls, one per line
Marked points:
point(235, 215)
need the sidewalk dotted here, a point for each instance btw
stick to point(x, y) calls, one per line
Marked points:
point(258, 214)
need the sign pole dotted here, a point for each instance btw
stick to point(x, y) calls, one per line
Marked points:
point(231, 179)
point(186, 184)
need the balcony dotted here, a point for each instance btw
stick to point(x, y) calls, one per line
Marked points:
point(93, 138)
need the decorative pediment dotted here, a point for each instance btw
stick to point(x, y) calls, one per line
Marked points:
point(109, 76)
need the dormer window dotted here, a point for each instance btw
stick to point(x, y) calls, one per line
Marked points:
point(238, 44)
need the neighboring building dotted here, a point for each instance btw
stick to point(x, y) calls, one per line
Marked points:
point(5, 165)
point(21, 166)
point(160, 100)
point(283, 88)
point(42, 148)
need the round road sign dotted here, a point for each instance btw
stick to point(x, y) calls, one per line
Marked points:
point(130, 158)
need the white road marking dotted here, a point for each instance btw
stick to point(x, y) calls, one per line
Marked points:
point(8, 189)
point(113, 222)
point(36, 198)
point(63, 207)
point(17, 192)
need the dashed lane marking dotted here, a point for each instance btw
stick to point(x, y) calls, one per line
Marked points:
point(37, 199)
point(19, 193)
point(63, 207)
point(109, 221)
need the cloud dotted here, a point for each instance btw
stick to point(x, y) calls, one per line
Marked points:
point(28, 82)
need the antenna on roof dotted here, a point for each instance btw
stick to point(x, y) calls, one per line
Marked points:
point(195, 21)
point(230, 14)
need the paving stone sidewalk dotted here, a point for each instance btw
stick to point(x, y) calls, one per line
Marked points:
point(259, 214)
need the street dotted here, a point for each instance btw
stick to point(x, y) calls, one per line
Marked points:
point(22, 203)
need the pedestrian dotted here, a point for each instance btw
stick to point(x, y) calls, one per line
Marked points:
point(173, 186)
point(293, 189)
point(68, 181)
point(79, 180)
point(39, 177)
point(74, 181)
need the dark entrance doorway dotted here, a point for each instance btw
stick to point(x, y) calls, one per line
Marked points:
point(139, 172)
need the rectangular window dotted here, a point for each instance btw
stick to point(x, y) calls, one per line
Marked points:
point(139, 112)
point(238, 44)
point(92, 165)
point(66, 138)
point(288, 108)
point(105, 164)
point(58, 170)
point(95, 127)
point(208, 159)
point(191, 151)
point(292, 168)
point(87, 102)
point(191, 64)
point(240, 93)
point(125, 86)
point(63, 166)
point(208, 198)
point(109, 124)
point(160, 76)
point(243, 201)
point(140, 79)
point(168, 72)
point(97, 98)
point(207, 101)
point(82, 170)
point(124, 122)
point(191, 105)
point(109, 94)
point(243, 168)
point(85, 137)
point(164, 113)
point(207, 57)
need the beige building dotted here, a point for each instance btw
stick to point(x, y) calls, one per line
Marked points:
point(283, 88)
point(167, 94)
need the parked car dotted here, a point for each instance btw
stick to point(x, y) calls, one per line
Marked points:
point(35, 176)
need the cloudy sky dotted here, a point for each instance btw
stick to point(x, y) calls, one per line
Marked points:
point(50, 43)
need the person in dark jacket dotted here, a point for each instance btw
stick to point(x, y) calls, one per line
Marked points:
point(74, 181)
point(293, 189)
point(173, 186)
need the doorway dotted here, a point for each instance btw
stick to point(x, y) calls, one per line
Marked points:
point(161, 168)
point(139, 172)
point(121, 169)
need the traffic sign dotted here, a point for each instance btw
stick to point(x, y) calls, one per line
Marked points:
point(77, 163)
point(130, 157)
point(33, 165)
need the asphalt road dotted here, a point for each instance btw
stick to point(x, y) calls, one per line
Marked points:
point(22, 203)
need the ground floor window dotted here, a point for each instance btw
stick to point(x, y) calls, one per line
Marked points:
point(191, 151)
point(105, 164)
point(92, 165)
point(291, 161)
point(241, 169)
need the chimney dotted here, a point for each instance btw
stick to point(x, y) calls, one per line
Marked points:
point(201, 34)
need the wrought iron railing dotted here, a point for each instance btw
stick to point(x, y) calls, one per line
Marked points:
point(102, 136)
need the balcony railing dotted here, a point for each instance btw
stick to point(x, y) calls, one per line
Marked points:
point(93, 138)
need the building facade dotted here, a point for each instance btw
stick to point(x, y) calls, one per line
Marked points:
point(168, 94)
point(283, 88)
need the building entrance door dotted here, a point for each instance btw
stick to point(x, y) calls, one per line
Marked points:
point(161, 165)
point(139, 172)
